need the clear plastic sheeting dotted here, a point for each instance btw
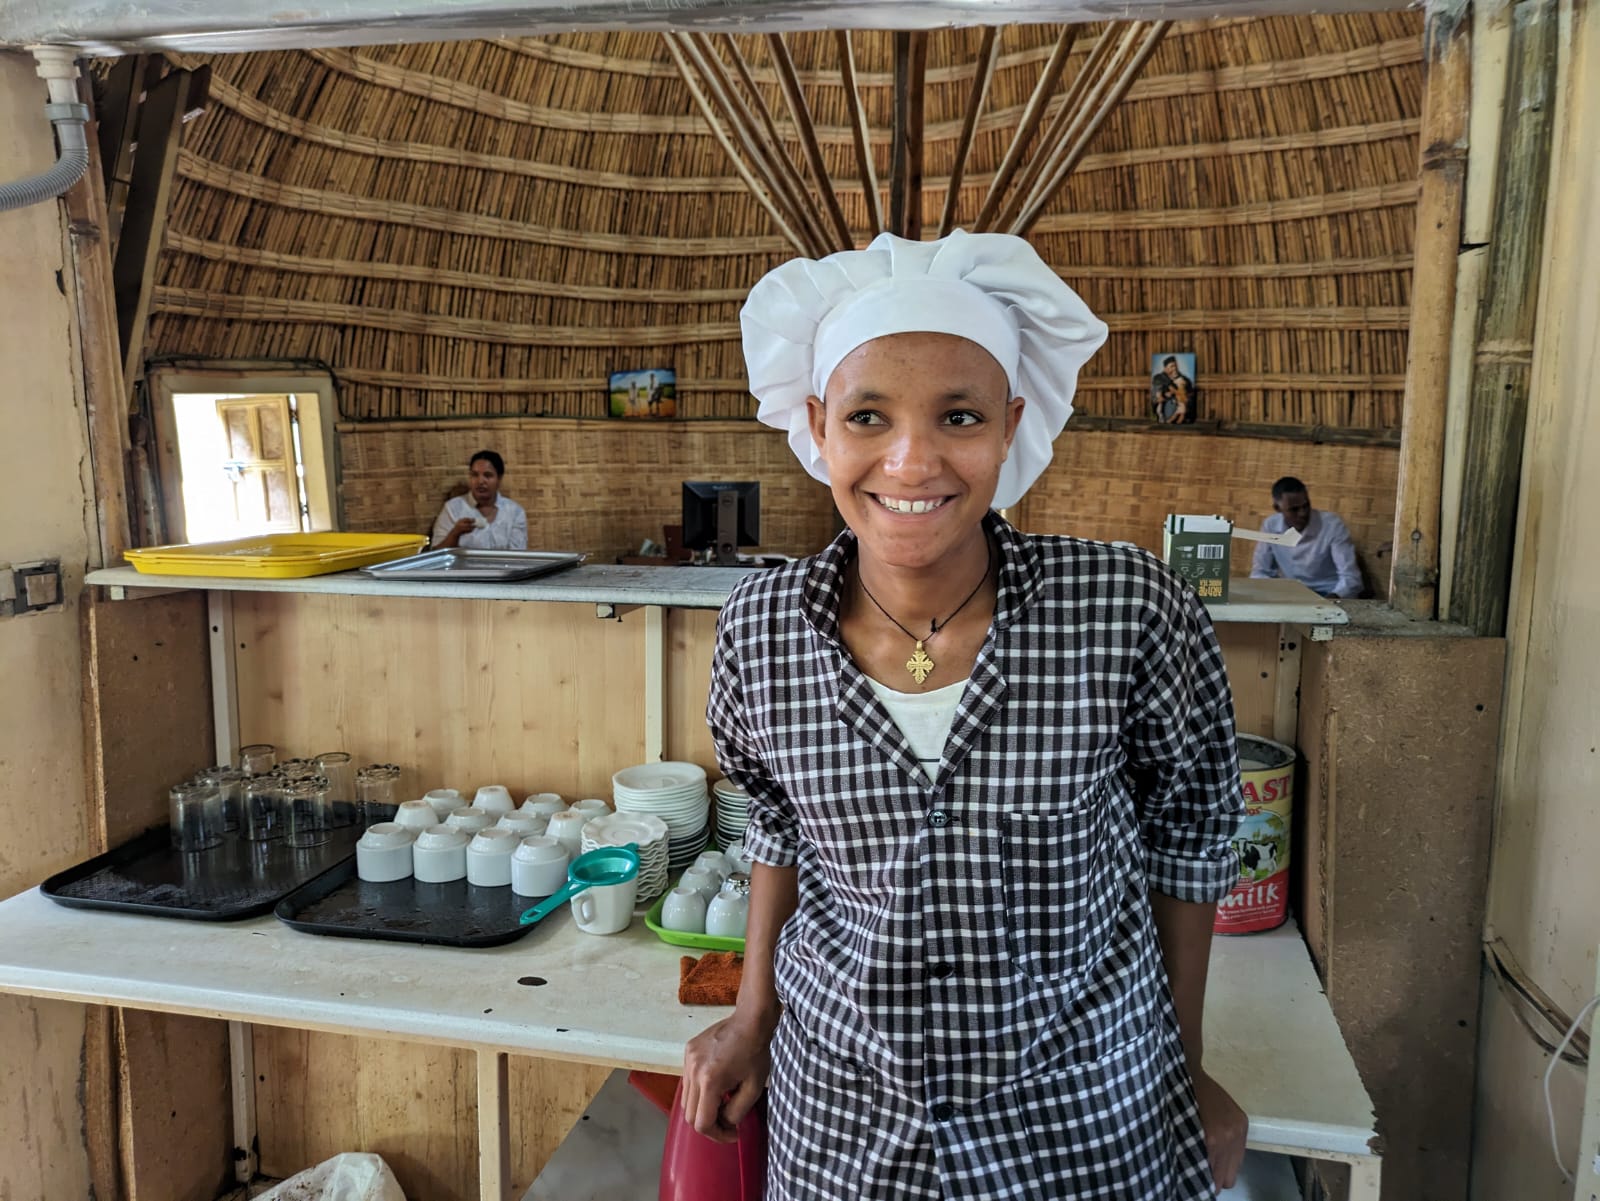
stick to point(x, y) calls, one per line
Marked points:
point(352, 1176)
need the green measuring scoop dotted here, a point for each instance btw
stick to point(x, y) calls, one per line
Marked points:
point(592, 869)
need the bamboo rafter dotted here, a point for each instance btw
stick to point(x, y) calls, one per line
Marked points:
point(1028, 124)
point(858, 129)
point(988, 55)
point(1132, 52)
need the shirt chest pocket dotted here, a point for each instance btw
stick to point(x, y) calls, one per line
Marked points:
point(1061, 887)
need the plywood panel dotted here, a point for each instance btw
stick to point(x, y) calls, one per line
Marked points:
point(691, 637)
point(1251, 655)
point(1399, 813)
point(458, 693)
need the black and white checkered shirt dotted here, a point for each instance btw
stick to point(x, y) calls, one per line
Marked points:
point(975, 1005)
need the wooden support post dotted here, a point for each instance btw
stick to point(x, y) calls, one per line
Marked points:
point(144, 222)
point(1446, 96)
point(95, 322)
point(1503, 359)
point(1132, 54)
point(118, 113)
point(858, 130)
point(911, 226)
point(897, 131)
point(686, 72)
point(988, 55)
point(800, 113)
point(494, 1126)
point(1032, 114)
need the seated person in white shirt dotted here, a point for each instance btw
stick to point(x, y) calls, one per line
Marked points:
point(482, 519)
point(1325, 559)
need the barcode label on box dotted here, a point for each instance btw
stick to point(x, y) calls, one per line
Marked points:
point(1209, 552)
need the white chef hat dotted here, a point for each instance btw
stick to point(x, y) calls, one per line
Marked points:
point(803, 317)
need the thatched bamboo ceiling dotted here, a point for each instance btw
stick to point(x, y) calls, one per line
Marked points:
point(491, 227)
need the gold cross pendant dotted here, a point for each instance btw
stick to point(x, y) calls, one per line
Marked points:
point(919, 665)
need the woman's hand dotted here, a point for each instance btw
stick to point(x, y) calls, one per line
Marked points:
point(724, 1070)
point(1225, 1125)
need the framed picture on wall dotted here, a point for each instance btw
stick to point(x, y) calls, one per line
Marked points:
point(644, 395)
point(1174, 394)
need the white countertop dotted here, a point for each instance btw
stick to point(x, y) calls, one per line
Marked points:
point(1271, 1038)
point(1270, 601)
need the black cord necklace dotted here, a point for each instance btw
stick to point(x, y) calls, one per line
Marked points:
point(920, 665)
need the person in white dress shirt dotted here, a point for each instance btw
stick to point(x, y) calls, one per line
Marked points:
point(482, 519)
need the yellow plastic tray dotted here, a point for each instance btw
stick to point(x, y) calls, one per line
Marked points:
point(276, 556)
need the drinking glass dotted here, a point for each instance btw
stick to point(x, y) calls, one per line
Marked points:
point(308, 820)
point(264, 816)
point(229, 782)
point(195, 811)
point(340, 772)
point(377, 789)
point(258, 758)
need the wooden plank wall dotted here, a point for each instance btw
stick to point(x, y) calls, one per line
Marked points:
point(462, 693)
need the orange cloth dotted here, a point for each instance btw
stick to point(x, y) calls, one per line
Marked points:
point(713, 979)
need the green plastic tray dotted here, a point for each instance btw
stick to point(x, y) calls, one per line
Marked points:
point(679, 938)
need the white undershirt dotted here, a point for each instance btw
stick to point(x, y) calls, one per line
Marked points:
point(924, 718)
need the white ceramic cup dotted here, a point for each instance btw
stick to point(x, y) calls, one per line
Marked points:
point(439, 855)
point(471, 820)
point(384, 853)
point(703, 882)
point(685, 910)
point(523, 825)
point(727, 915)
point(567, 828)
point(495, 798)
point(738, 861)
point(445, 801)
point(591, 807)
point(607, 909)
point(538, 867)
point(715, 863)
point(489, 857)
point(416, 815)
point(547, 803)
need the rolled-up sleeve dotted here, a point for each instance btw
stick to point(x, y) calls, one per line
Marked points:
point(773, 835)
point(1180, 743)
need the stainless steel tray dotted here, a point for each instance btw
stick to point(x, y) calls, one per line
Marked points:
point(475, 566)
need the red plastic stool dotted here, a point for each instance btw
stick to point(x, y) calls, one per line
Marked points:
point(696, 1168)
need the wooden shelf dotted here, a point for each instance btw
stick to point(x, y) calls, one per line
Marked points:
point(1274, 602)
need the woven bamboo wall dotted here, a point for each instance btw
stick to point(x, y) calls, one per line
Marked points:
point(489, 228)
point(601, 487)
point(1120, 487)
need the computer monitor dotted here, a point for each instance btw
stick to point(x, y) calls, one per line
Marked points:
point(721, 516)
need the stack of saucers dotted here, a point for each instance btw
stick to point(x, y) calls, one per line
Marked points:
point(674, 792)
point(644, 830)
point(733, 812)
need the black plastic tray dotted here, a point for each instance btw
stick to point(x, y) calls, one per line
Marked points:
point(456, 914)
point(236, 880)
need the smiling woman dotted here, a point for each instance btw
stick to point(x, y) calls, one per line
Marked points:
point(985, 875)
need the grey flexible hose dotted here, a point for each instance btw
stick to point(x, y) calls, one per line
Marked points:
point(70, 121)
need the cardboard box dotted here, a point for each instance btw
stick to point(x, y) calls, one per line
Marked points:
point(1199, 549)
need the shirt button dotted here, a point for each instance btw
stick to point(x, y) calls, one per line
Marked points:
point(939, 818)
point(943, 1112)
point(941, 970)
